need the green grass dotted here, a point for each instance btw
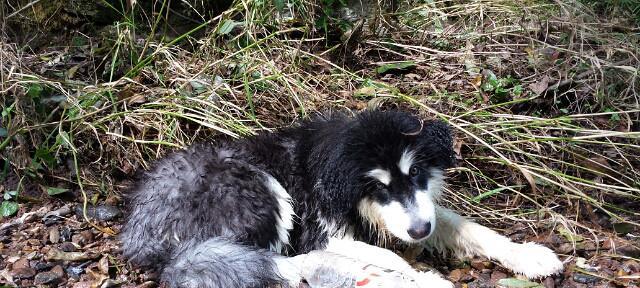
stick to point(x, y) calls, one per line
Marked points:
point(543, 119)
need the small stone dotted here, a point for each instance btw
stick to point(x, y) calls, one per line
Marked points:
point(584, 279)
point(456, 275)
point(148, 284)
point(103, 265)
point(87, 236)
point(481, 264)
point(549, 282)
point(496, 276)
point(58, 271)
point(101, 213)
point(77, 239)
point(41, 266)
point(83, 284)
point(110, 283)
point(23, 273)
point(75, 271)
point(21, 263)
point(46, 278)
point(68, 247)
point(54, 235)
point(65, 234)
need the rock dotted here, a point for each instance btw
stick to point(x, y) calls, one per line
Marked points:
point(58, 271)
point(54, 235)
point(83, 284)
point(110, 283)
point(78, 240)
point(75, 271)
point(21, 263)
point(87, 236)
point(584, 279)
point(65, 234)
point(23, 273)
point(496, 276)
point(47, 278)
point(101, 213)
point(41, 266)
point(103, 265)
point(56, 215)
point(148, 284)
point(481, 264)
point(68, 247)
point(549, 282)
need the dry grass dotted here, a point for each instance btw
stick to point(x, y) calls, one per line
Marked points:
point(543, 96)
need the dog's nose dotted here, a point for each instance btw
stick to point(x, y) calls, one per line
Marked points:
point(420, 231)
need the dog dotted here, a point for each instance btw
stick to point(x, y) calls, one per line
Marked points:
point(230, 214)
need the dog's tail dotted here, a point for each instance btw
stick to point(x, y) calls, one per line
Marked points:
point(220, 262)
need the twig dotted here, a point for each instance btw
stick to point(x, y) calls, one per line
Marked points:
point(34, 2)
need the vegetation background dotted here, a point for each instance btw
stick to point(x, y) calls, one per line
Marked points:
point(542, 95)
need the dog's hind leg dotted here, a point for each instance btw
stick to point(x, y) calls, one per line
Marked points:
point(465, 239)
point(219, 262)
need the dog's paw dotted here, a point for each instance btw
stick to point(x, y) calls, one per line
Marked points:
point(531, 260)
point(288, 269)
point(431, 280)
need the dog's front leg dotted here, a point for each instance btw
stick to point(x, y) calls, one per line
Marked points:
point(465, 238)
point(384, 258)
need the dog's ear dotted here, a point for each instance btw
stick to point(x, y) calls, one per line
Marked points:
point(440, 137)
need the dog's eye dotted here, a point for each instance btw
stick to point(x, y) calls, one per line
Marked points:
point(380, 186)
point(414, 171)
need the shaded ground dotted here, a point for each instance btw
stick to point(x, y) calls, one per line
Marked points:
point(542, 95)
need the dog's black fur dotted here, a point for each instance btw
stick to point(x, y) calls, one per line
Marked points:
point(205, 218)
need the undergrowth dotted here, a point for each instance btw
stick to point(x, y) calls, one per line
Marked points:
point(544, 100)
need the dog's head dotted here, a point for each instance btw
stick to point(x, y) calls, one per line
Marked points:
point(401, 161)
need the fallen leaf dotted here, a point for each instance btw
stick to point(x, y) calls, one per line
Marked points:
point(395, 67)
point(540, 86)
point(56, 254)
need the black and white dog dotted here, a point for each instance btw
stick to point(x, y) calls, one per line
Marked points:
point(228, 214)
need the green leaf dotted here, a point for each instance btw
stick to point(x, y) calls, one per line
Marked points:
point(623, 228)
point(517, 283)
point(3, 132)
point(35, 90)
point(227, 26)
point(570, 236)
point(55, 190)
point(399, 66)
point(279, 5)
point(517, 90)
point(8, 208)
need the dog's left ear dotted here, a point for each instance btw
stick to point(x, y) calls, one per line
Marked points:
point(440, 138)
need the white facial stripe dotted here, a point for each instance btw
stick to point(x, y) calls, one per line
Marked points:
point(425, 207)
point(435, 183)
point(381, 175)
point(406, 160)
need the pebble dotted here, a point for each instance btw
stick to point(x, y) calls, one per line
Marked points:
point(54, 235)
point(549, 282)
point(496, 276)
point(21, 263)
point(58, 271)
point(101, 213)
point(41, 266)
point(65, 234)
point(23, 273)
point(75, 271)
point(87, 236)
point(47, 278)
point(67, 247)
point(584, 279)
